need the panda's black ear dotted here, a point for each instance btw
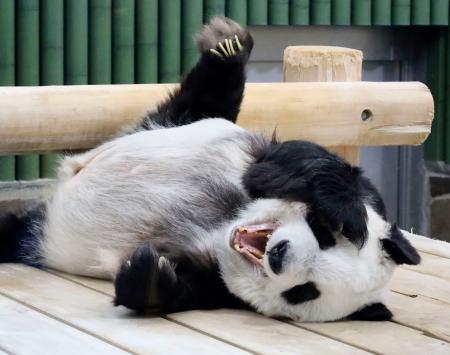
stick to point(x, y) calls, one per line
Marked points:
point(372, 312)
point(399, 248)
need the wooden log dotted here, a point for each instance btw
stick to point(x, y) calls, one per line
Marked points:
point(56, 118)
point(324, 63)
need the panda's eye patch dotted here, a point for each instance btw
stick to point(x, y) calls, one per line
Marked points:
point(321, 231)
point(301, 293)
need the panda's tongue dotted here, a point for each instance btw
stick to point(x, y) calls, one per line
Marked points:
point(251, 240)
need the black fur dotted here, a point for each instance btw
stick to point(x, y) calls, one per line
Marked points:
point(276, 255)
point(133, 281)
point(304, 171)
point(399, 248)
point(19, 236)
point(213, 88)
point(177, 285)
point(321, 232)
point(373, 312)
point(301, 293)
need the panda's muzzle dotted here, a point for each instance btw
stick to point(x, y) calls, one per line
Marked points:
point(251, 241)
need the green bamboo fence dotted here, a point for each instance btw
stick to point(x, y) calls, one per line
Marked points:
point(362, 12)
point(27, 70)
point(278, 12)
point(341, 12)
point(381, 12)
point(123, 42)
point(51, 62)
point(7, 72)
point(257, 12)
point(299, 12)
point(99, 42)
point(75, 42)
point(237, 10)
point(146, 41)
point(169, 41)
point(320, 12)
point(192, 20)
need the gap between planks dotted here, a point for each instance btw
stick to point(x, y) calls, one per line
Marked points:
point(63, 322)
point(4, 352)
point(429, 245)
point(269, 336)
point(105, 287)
point(41, 330)
point(434, 336)
point(431, 265)
point(92, 312)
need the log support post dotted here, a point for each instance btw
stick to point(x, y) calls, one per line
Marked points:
point(320, 63)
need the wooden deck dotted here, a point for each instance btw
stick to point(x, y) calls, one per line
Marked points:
point(53, 313)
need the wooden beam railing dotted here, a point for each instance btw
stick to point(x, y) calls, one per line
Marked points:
point(56, 118)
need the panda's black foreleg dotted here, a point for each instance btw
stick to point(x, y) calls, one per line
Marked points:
point(215, 86)
point(334, 190)
point(148, 282)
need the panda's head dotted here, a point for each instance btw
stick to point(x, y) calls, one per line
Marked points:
point(271, 259)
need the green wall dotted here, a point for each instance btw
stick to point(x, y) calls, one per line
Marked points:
point(55, 42)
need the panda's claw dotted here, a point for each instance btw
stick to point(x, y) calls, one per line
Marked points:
point(161, 261)
point(215, 52)
point(223, 49)
point(239, 45)
point(224, 40)
point(226, 48)
point(229, 47)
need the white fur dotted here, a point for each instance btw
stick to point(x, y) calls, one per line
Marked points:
point(107, 195)
point(109, 198)
point(346, 277)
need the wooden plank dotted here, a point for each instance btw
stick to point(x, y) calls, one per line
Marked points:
point(93, 312)
point(250, 330)
point(412, 283)
point(429, 245)
point(430, 316)
point(432, 265)
point(26, 331)
point(381, 337)
point(261, 334)
point(77, 117)
point(103, 286)
point(421, 313)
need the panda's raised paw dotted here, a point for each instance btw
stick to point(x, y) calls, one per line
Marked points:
point(225, 39)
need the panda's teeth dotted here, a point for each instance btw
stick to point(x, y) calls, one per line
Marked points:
point(237, 247)
point(257, 253)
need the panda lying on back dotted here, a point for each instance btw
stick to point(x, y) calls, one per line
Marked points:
point(190, 211)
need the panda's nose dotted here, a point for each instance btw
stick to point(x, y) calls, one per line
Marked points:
point(276, 254)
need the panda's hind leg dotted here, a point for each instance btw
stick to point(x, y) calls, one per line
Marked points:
point(215, 85)
point(147, 281)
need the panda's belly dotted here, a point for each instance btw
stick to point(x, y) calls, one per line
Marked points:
point(107, 196)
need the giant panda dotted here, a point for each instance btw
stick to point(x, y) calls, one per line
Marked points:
point(187, 210)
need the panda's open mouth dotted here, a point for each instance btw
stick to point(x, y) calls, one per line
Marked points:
point(251, 240)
